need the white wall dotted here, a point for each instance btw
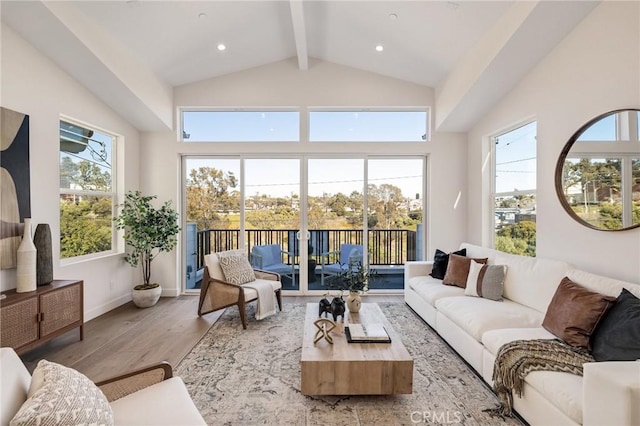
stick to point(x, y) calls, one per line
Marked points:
point(595, 69)
point(33, 85)
point(281, 84)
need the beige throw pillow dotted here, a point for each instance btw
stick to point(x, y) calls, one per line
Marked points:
point(486, 281)
point(63, 396)
point(236, 267)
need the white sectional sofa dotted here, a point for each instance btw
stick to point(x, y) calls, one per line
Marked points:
point(609, 392)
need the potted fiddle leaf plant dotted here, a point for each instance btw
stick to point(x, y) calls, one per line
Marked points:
point(148, 231)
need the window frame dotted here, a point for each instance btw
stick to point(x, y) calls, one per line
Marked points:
point(494, 195)
point(115, 193)
point(182, 110)
point(354, 109)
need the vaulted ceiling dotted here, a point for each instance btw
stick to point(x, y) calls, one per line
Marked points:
point(132, 53)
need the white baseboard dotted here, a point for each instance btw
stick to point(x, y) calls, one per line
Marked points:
point(172, 292)
point(106, 307)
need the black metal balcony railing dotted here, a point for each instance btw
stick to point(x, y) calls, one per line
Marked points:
point(386, 247)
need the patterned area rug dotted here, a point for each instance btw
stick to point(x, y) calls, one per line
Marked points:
point(247, 377)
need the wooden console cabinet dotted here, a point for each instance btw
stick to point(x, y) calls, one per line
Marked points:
point(30, 319)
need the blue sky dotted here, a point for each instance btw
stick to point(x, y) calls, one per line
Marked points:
point(516, 159)
point(281, 177)
point(324, 126)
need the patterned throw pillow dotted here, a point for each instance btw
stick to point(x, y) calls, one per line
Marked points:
point(66, 397)
point(236, 267)
point(486, 281)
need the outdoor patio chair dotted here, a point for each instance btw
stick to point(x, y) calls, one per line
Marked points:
point(269, 257)
point(334, 262)
point(216, 293)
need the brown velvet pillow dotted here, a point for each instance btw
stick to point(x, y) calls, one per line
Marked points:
point(458, 270)
point(574, 313)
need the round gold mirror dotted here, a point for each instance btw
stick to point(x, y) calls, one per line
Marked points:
point(598, 172)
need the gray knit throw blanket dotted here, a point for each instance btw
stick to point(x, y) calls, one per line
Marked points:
point(518, 358)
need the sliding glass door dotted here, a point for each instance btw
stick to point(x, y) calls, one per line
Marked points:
point(335, 216)
point(272, 217)
point(305, 217)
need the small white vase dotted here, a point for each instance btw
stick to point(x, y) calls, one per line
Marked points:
point(354, 302)
point(27, 253)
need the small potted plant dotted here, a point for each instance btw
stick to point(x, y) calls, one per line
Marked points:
point(356, 280)
point(147, 232)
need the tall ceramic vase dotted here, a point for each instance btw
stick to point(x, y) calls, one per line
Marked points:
point(44, 256)
point(26, 273)
point(354, 301)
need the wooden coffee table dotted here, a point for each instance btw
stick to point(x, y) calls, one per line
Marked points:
point(344, 368)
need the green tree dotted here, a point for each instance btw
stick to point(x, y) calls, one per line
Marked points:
point(85, 221)
point(211, 194)
point(522, 236)
point(338, 204)
point(384, 201)
point(82, 229)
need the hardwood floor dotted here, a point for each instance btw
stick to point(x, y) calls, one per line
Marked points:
point(128, 338)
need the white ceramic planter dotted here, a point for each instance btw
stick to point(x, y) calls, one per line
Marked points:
point(146, 298)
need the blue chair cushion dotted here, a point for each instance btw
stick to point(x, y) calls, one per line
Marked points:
point(348, 251)
point(269, 253)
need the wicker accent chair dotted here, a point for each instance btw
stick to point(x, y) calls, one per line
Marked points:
point(148, 396)
point(217, 294)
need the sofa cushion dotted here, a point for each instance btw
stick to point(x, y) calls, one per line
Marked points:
point(574, 313)
point(480, 252)
point(604, 285)
point(531, 281)
point(441, 261)
point(564, 390)
point(458, 270)
point(236, 267)
point(13, 385)
point(213, 265)
point(65, 396)
point(477, 316)
point(617, 337)
point(494, 339)
point(485, 281)
point(431, 289)
point(165, 403)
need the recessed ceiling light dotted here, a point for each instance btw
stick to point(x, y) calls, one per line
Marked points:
point(202, 15)
point(222, 47)
point(379, 48)
point(393, 16)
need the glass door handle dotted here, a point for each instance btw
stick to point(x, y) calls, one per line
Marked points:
point(307, 235)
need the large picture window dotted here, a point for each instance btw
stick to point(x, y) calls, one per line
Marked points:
point(515, 190)
point(87, 190)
